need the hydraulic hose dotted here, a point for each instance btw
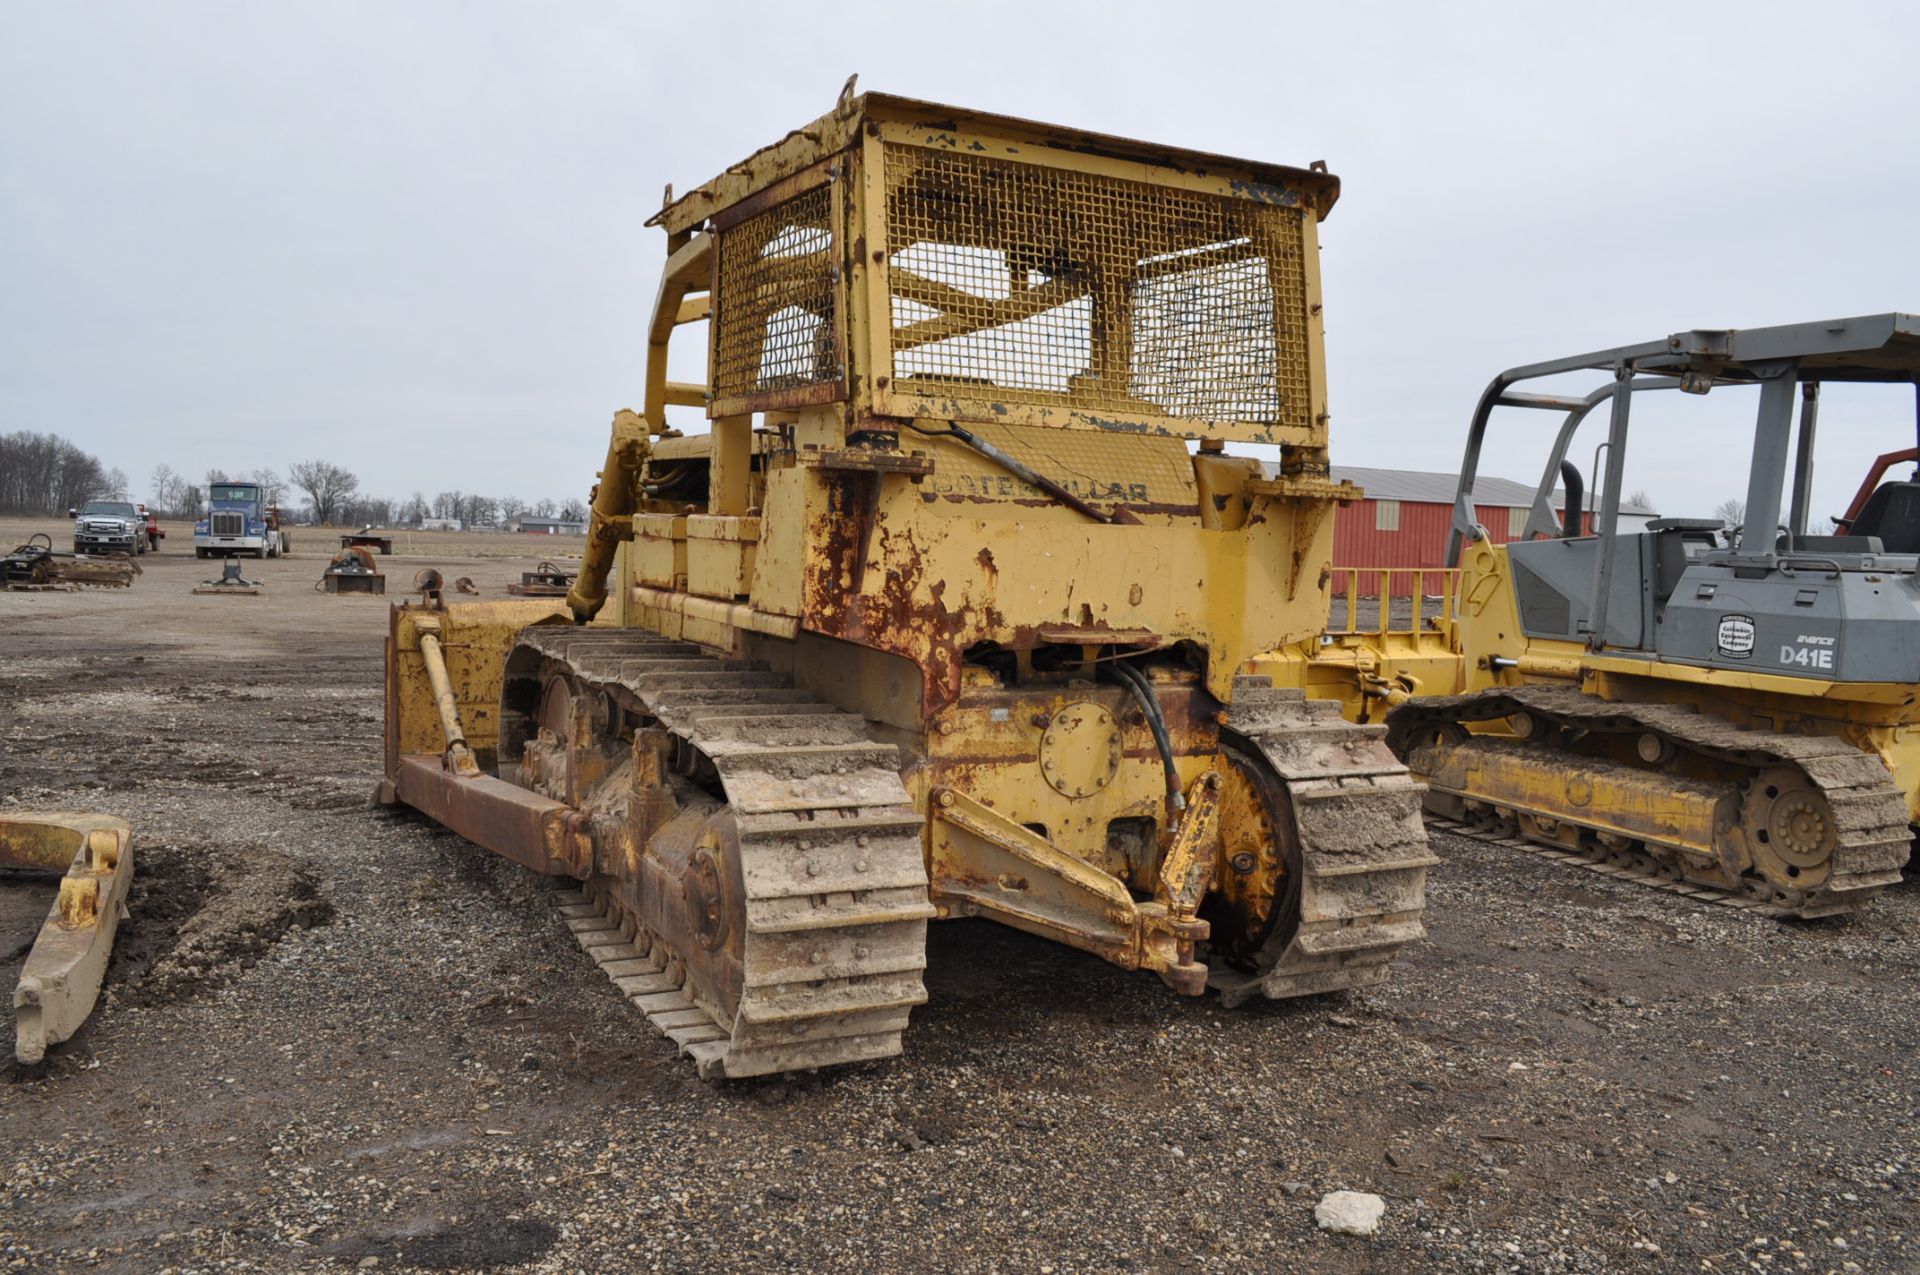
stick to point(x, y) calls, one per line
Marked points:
point(1142, 689)
point(1017, 467)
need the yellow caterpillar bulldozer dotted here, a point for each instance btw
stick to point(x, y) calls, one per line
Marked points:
point(1732, 714)
point(954, 610)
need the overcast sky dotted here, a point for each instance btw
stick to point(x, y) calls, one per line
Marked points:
point(408, 236)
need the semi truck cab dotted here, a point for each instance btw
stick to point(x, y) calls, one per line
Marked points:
point(239, 522)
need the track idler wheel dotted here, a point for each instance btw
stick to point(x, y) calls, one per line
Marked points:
point(1255, 901)
point(694, 901)
point(713, 906)
point(1790, 830)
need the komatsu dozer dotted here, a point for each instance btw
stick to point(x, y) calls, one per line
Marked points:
point(1732, 713)
point(950, 610)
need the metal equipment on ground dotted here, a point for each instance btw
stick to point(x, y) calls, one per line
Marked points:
point(37, 565)
point(942, 618)
point(366, 538)
point(352, 571)
point(548, 581)
point(230, 584)
point(151, 523)
point(88, 862)
point(1728, 714)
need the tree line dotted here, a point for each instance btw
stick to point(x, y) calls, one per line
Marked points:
point(45, 474)
point(331, 495)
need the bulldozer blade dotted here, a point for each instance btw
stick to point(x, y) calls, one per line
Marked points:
point(61, 978)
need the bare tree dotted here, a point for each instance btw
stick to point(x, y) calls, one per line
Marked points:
point(328, 487)
point(272, 488)
point(414, 509)
point(544, 507)
point(1733, 516)
point(511, 507)
point(171, 495)
point(478, 511)
point(361, 510)
point(575, 510)
point(1640, 498)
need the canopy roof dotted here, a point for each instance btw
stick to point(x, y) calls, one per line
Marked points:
point(835, 131)
point(1874, 347)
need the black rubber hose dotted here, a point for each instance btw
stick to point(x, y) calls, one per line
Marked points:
point(1136, 681)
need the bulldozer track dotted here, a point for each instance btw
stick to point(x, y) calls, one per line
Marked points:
point(1622, 869)
point(835, 882)
point(1363, 847)
point(837, 891)
point(1872, 836)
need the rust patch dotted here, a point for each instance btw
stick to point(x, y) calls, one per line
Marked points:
point(837, 530)
point(987, 564)
point(887, 617)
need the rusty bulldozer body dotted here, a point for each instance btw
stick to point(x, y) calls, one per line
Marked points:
point(943, 617)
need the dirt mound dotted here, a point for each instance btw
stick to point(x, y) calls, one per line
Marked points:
point(200, 914)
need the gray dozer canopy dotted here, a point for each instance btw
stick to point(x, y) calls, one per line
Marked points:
point(1882, 348)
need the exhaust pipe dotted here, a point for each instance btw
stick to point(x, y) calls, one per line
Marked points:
point(1570, 518)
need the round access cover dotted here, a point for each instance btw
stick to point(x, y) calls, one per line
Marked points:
point(1080, 752)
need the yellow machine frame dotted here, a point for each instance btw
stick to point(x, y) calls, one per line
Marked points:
point(913, 505)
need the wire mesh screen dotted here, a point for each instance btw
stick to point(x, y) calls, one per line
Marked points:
point(773, 309)
point(1017, 283)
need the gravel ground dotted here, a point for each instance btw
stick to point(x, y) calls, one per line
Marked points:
point(336, 1037)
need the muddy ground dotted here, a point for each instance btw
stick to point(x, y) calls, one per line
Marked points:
point(336, 1037)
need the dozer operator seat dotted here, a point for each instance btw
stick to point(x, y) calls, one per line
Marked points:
point(1892, 514)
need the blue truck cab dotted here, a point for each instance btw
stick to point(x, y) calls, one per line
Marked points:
point(239, 522)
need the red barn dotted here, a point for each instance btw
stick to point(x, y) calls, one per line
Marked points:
point(1403, 521)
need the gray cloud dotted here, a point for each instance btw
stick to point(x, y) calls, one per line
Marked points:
point(409, 236)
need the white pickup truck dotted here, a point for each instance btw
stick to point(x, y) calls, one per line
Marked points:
point(108, 526)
